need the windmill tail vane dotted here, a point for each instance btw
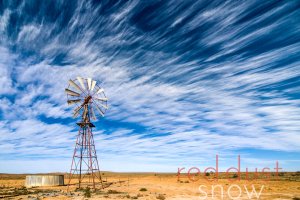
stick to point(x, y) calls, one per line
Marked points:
point(90, 101)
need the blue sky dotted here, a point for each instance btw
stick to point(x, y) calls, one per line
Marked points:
point(186, 80)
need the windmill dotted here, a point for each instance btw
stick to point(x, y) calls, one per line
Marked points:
point(90, 102)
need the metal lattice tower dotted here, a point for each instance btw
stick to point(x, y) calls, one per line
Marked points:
point(88, 96)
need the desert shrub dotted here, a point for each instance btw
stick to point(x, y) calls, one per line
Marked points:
point(207, 174)
point(87, 192)
point(79, 189)
point(281, 174)
point(127, 196)
point(143, 189)
point(113, 192)
point(134, 197)
point(161, 197)
point(21, 191)
point(235, 176)
point(186, 181)
point(296, 198)
point(98, 191)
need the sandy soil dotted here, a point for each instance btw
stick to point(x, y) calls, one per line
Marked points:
point(155, 186)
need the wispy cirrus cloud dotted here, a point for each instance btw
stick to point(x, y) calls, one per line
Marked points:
point(182, 79)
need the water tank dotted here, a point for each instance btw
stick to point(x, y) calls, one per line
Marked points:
point(44, 180)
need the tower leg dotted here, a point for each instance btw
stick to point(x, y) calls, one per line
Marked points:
point(96, 161)
point(73, 165)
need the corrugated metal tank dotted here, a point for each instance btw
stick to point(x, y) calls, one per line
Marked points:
point(44, 180)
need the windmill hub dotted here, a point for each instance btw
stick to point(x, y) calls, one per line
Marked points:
point(87, 99)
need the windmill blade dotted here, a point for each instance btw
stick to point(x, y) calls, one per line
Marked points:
point(74, 85)
point(100, 90)
point(76, 111)
point(93, 113)
point(80, 80)
point(70, 102)
point(89, 82)
point(93, 85)
point(101, 99)
point(104, 106)
point(72, 93)
point(75, 115)
point(100, 111)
